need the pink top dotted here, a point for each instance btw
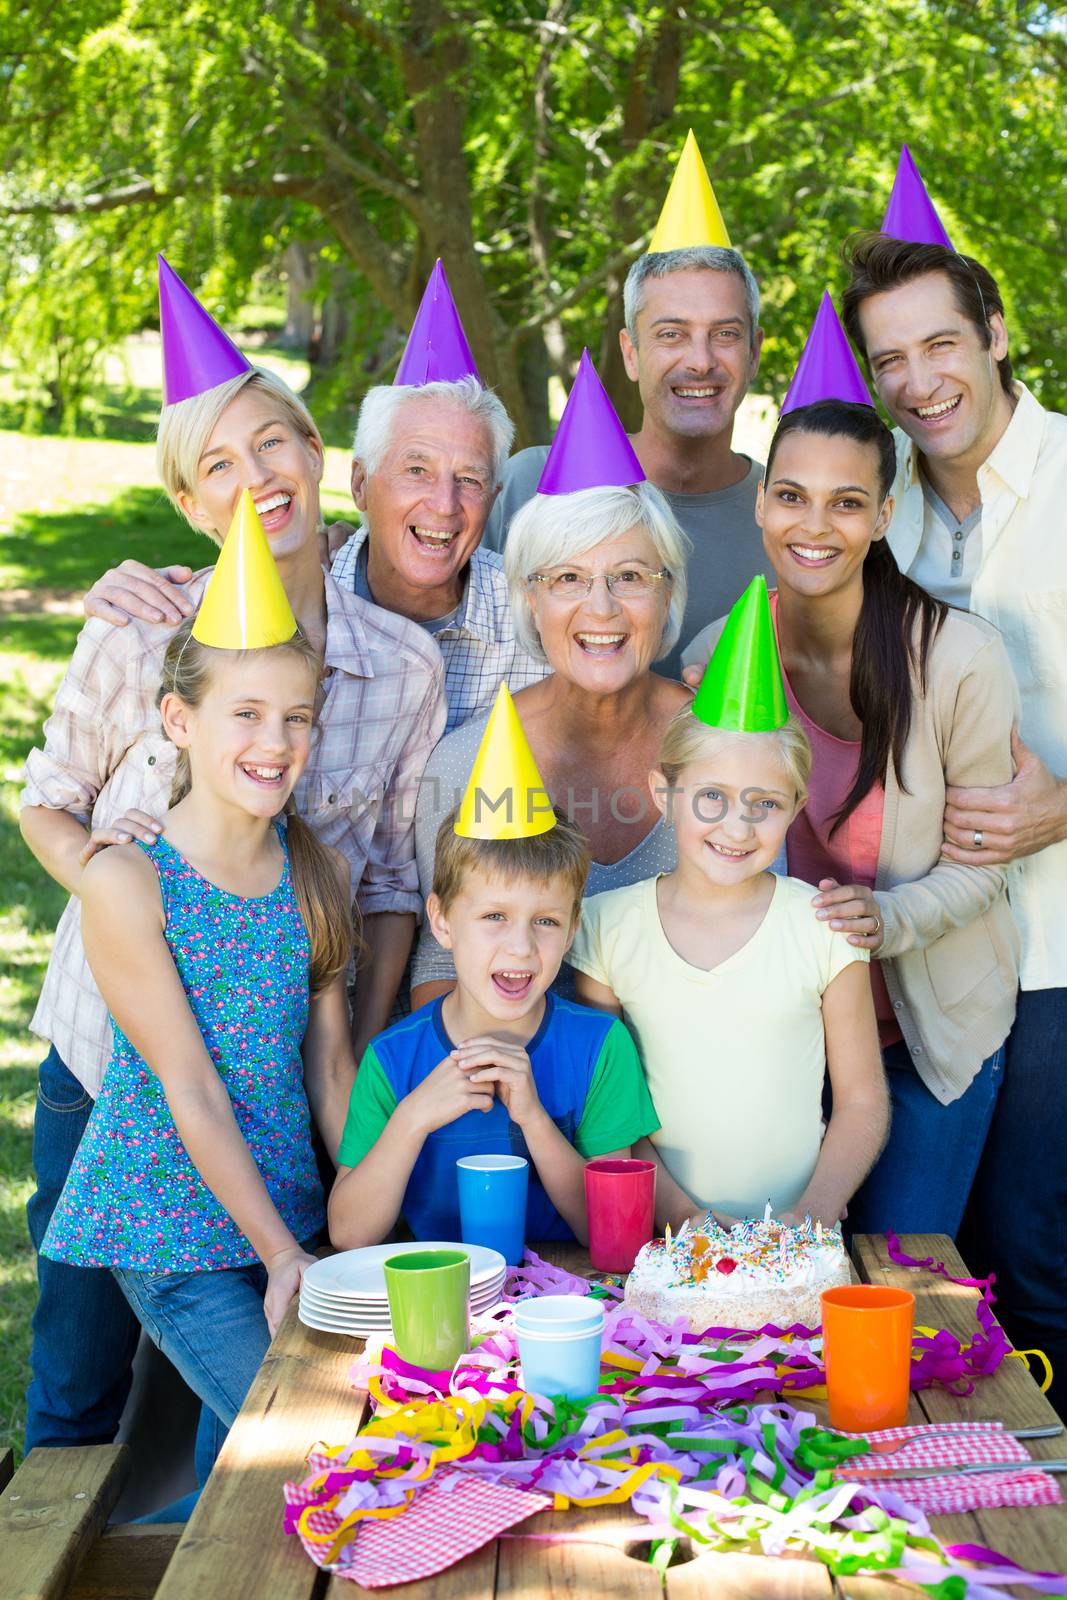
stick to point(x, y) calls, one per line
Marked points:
point(851, 853)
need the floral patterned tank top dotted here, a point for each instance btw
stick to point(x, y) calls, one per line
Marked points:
point(134, 1198)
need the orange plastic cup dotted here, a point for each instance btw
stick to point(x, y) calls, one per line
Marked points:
point(867, 1349)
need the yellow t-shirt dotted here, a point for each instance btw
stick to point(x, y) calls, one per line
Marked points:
point(734, 1057)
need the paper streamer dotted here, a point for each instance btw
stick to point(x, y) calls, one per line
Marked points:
point(677, 1429)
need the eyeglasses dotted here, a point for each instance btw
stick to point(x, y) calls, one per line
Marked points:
point(632, 583)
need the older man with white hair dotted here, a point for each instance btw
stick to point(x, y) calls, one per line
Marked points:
point(426, 469)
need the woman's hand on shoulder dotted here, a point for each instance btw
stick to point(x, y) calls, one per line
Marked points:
point(850, 909)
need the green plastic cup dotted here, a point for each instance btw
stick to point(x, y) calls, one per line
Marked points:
point(429, 1306)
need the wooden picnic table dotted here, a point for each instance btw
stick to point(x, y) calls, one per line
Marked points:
point(233, 1544)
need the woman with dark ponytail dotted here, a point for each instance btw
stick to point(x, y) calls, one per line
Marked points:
point(900, 696)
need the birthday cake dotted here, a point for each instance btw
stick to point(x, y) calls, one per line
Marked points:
point(756, 1272)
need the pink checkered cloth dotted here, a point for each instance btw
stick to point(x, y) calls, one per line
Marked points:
point(957, 1443)
point(454, 1516)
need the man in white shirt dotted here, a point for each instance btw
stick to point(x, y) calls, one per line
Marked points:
point(981, 503)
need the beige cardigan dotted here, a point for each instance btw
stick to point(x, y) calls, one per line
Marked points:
point(950, 952)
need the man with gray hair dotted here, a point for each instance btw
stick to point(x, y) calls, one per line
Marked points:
point(427, 462)
point(692, 345)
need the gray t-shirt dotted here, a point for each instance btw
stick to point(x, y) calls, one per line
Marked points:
point(727, 544)
point(442, 787)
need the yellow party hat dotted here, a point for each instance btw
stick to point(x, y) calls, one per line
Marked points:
point(505, 797)
point(690, 214)
point(245, 606)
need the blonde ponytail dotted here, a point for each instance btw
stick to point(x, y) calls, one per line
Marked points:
point(325, 903)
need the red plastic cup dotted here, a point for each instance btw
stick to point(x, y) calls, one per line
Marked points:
point(620, 1200)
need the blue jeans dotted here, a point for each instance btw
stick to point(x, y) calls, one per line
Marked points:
point(84, 1333)
point(212, 1327)
point(1018, 1215)
point(921, 1180)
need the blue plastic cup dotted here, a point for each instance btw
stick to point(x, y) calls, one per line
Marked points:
point(560, 1338)
point(492, 1203)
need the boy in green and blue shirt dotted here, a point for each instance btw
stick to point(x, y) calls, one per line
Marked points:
point(498, 1066)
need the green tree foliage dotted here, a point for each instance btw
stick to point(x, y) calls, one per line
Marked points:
point(528, 142)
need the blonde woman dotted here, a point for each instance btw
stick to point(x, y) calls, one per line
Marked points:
point(104, 774)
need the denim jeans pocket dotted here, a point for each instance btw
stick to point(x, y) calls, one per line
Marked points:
point(58, 1089)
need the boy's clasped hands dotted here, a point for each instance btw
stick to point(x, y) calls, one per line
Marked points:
point(470, 1077)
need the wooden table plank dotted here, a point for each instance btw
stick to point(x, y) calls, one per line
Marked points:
point(127, 1562)
point(861, 1586)
point(600, 1566)
point(947, 1305)
point(301, 1395)
point(1035, 1536)
point(473, 1578)
point(749, 1577)
point(51, 1512)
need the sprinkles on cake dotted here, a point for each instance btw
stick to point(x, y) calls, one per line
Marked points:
point(752, 1245)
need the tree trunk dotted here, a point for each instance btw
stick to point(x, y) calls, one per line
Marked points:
point(333, 327)
point(299, 309)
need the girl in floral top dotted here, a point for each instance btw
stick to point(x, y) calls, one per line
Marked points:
point(221, 950)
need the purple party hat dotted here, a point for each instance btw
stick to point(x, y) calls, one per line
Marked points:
point(827, 369)
point(197, 355)
point(591, 449)
point(437, 350)
point(910, 214)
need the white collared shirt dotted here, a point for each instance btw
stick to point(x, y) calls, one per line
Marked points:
point(1020, 586)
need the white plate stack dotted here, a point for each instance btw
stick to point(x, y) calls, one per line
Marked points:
point(346, 1293)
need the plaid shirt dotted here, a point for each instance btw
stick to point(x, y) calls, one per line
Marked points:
point(104, 752)
point(480, 647)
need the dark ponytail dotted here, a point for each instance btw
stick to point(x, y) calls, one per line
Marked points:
point(898, 620)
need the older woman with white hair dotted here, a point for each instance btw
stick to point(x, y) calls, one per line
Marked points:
point(598, 592)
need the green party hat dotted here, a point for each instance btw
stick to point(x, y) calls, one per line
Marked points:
point(742, 688)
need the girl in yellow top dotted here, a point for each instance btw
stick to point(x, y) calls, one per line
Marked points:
point(738, 998)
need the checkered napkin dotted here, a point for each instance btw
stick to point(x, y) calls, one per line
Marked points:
point(455, 1515)
point(956, 1443)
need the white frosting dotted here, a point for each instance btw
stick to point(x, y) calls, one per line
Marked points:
point(810, 1257)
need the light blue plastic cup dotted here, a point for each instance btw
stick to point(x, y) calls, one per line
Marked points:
point(560, 1338)
point(492, 1203)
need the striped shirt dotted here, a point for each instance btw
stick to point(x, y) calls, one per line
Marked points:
point(479, 646)
point(382, 711)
